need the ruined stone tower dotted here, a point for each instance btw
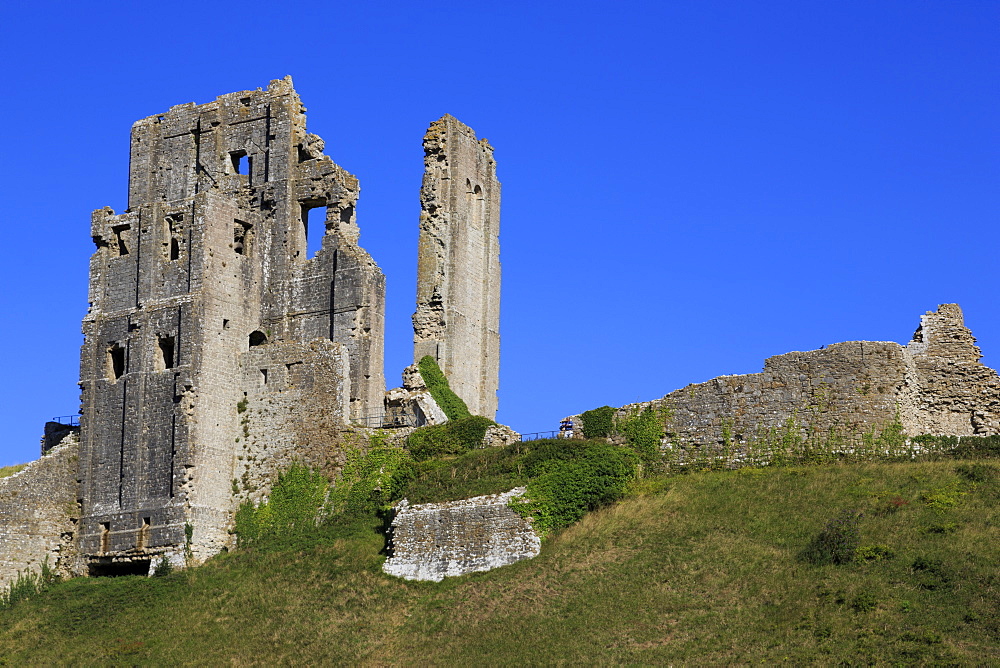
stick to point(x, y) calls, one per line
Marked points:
point(202, 300)
point(457, 320)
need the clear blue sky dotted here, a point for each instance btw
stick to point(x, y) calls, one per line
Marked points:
point(688, 187)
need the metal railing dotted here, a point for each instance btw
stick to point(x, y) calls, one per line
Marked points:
point(537, 435)
point(68, 420)
point(386, 421)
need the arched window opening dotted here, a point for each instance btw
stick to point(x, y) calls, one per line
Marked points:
point(257, 338)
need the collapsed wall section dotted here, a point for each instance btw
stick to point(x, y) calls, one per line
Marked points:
point(457, 321)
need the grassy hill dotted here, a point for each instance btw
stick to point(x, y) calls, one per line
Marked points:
point(704, 568)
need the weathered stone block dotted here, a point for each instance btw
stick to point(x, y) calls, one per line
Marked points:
point(431, 541)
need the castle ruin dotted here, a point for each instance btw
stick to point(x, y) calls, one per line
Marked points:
point(218, 349)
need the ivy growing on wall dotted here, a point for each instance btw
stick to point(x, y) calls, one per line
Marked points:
point(292, 507)
point(372, 479)
point(598, 422)
point(642, 430)
point(449, 402)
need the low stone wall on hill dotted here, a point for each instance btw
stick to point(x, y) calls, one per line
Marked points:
point(431, 541)
point(934, 385)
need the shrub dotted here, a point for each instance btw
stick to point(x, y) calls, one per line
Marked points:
point(28, 585)
point(598, 422)
point(162, 568)
point(871, 553)
point(570, 478)
point(865, 602)
point(371, 480)
point(292, 507)
point(451, 438)
point(449, 402)
point(978, 472)
point(642, 431)
point(837, 543)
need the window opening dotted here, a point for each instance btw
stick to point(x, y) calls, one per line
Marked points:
point(241, 236)
point(303, 154)
point(143, 534)
point(119, 231)
point(257, 338)
point(263, 376)
point(225, 323)
point(105, 535)
point(240, 162)
point(172, 233)
point(116, 361)
point(112, 569)
point(166, 360)
point(313, 233)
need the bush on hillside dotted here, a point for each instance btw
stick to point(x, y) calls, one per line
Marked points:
point(449, 402)
point(451, 438)
point(570, 478)
point(837, 543)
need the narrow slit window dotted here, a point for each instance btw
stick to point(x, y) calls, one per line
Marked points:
point(240, 162)
point(143, 539)
point(116, 361)
point(263, 376)
point(315, 232)
point(172, 232)
point(166, 360)
point(241, 237)
point(105, 535)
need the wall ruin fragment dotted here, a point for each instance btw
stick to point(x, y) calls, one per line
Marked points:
point(431, 541)
point(457, 321)
point(934, 385)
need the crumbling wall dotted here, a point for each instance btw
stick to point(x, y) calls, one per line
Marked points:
point(457, 320)
point(208, 265)
point(431, 541)
point(284, 417)
point(934, 385)
point(39, 513)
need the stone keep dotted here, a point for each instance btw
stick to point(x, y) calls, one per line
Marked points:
point(203, 299)
point(457, 320)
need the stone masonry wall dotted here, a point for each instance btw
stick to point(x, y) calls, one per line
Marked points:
point(39, 513)
point(934, 385)
point(431, 541)
point(457, 320)
point(206, 270)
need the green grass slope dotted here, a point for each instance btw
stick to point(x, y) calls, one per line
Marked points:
point(703, 568)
